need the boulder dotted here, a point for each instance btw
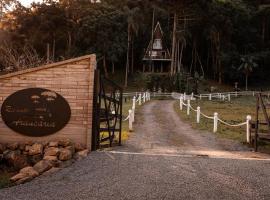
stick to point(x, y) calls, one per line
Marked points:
point(35, 159)
point(81, 154)
point(65, 164)
point(22, 146)
point(51, 158)
point(42, 166)
point(17, 177)
point(16, 159)
point(65, 142)
point(65, 154)
point(52, 151)
point(35, 149)
point(27, 148)
point(53, 144)
point(71, 148)
point(24, 180)
point(29, 171)
point(2, 148)
point(13, 146)
point(79, 147)
point(51, 171)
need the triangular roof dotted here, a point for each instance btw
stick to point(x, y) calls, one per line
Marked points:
point(158, 34)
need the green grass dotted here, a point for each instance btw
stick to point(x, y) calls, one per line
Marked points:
point(5, 179)
point(233, 112)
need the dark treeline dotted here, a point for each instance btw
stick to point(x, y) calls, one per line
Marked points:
point(221, 40)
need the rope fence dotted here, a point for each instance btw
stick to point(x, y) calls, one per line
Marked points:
point(215, 118)
point(138, 98)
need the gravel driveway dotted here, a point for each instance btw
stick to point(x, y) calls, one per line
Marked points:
point(164, 159)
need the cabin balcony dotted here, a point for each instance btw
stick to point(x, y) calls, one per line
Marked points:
point(157, 55)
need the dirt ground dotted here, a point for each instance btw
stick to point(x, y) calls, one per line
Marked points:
point(158, 129)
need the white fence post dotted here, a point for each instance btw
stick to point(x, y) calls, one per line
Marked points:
point(181, 103)
point(149, 96)
point(134, 103)
point(200, 97)
point(248, 128)
point(198, 114)
point(253, 93)
point(130, 127)
point(215, 122)
point(210, 97)
point(229, 97)
point(223, 97)
point(144, 95)
point(140, 99)
point(184, 96)
point(192, 95)
point(188, 107)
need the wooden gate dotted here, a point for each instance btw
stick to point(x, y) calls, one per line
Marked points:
point(107, 113)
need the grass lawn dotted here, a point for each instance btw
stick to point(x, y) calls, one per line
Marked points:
point(233, 112)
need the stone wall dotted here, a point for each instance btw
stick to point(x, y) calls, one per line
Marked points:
point(73, 79)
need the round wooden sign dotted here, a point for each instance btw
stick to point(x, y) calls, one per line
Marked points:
point(35, 112)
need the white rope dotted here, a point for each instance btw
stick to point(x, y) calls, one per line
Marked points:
point(232, 125)
point(192, 108)
point(126, 119)
point(208, 117)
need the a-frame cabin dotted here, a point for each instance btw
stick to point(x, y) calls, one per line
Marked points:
point(157, 58)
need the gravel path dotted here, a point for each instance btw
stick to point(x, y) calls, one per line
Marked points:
point(165, 159)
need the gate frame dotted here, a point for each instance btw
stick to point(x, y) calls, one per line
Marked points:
point(107, 117)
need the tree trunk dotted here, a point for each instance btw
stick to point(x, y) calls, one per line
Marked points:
point(105, 67)
point(200, 62)
point(173, 43)
point(127, 64)
point(263, 30)
point(113, 69)
point(178, 56)
point(192, 60)
point(53, 50)
point(69, 44)
point(246, 82)
point(132, 57)
point(181, 56)
point(48, 52)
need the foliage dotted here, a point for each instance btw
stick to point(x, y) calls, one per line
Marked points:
point(212, 34)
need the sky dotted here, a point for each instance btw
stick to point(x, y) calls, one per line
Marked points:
point(28, 2)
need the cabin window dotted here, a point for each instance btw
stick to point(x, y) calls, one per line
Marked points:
point(154, 53)
point(157, 44)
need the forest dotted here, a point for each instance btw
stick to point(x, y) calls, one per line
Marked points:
point(221, 40)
